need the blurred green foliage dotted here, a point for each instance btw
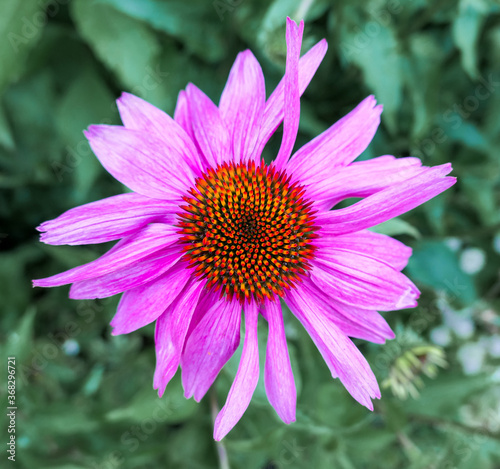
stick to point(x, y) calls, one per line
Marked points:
point(85, 398)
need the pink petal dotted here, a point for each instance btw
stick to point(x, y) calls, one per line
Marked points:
point(170, 334)
point(143, 305)
point(338, 146)
point(292, 94)
point(388, 203)
point(209, 129)
point(376, 245)
point(358, 280)
point(138, 114)
point(278, 376)
point(355, 322)
point(107, 219)
point(246, 379)
point(128, 251)
point(210, 345)
point(275, 105)
point(133, 276)
point(141, 162)
point(181, 114)
point(363, 178)
point(342, 357)
point(241, 105)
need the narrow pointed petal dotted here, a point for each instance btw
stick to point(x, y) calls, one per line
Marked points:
point(278, 375)
point(140, 161)
point(209, 129)
point(137, 114)
point(358, 280)
point(388, 203)
point(246, 379)
point(144, 304)
point(376, 245)
point(338, 146)
point(149, 240)
point(344, 360)
point(275, 105)
point(366, 324)
point(242, 104)
point(210, 345)
point(133, 276)
point(170, 334)
point(107, 219)
point(363, 178)
point(292, 93)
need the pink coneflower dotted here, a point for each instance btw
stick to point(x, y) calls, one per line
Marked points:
point(210, 230)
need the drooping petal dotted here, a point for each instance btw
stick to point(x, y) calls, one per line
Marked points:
point(133, 276)
point(209, 129)
point(358, 280)
point(144, 304)
point(278, 375)
point(292, 94)
point(363, 178)
point(246, 379)
point(338, 146)
point(275, 105)
point(107, 219)
point(141, 162)
point(126, 252)
point(344, 360)
point(170, 334)
point(137, 114)
point(242, 104)
point(210, 345)
point(368, 243)
point(388, 203)
point(366, 324)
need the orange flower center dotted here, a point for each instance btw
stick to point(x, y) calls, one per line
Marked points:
point(248, 230)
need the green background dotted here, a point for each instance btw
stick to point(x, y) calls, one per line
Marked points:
point(85, 398)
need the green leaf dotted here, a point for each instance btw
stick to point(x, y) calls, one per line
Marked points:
point(6, 137)
point(87, 101)
point(58, 419)
point(15, 286)
point(423, 72)
point(20, 341)
point(466, 29)
point(481, 192)
point(374, 48)
point(435, 265)
point(29, 106)
point(21, 24)
point(434, 400)
point(70, 256)
point(270, 37)
point(196, 23)
point(124, 44)
point(171, 408)
point(395, 227)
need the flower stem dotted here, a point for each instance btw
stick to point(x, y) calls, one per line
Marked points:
point(221, 449)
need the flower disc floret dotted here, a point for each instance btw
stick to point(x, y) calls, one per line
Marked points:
point(248, 230)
